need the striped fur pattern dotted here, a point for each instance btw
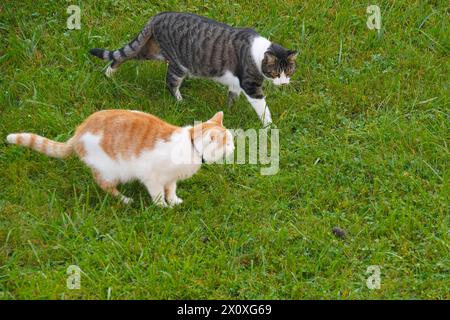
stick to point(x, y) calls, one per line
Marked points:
point(196, 46)
point(120, 146)
point(43, 145)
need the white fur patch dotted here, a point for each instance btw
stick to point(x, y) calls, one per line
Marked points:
point(259, 46)
point(11, 138)
point(160, 165)
point(126, 200)
point(261, 108)
point(282, 79)
point(178, 95)
point(110, 71)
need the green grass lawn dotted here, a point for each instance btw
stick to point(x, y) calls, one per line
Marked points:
point(364, 134)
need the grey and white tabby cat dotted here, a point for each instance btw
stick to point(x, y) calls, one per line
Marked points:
point(200, 47)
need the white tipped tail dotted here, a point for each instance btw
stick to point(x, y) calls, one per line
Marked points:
point(11, 138)
point(41, 144)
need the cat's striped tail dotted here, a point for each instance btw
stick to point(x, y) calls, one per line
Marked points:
point(129, 51)
point(41, 144)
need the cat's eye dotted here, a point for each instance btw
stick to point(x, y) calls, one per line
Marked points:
point(289, 71)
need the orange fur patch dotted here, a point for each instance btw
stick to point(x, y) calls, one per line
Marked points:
point(125, 133)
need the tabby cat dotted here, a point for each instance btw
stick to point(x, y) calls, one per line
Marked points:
point(196, 46)
point(120, 145)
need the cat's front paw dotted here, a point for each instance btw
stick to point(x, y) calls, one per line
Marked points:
point(178, 96)
point(175, 201)
point(126, 200)
point(267, 122)
point(161, 204)
point(270, 126)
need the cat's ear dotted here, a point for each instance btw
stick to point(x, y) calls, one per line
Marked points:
point(292, 55)
point(218, 118)
point(270, 57)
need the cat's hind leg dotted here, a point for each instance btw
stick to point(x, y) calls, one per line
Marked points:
point(116, 58)
point(149, 51)
point(143, 46)
point(174, 79)
point(112, 69)
point(171, 196)
point(232, 97)
point(109, 186)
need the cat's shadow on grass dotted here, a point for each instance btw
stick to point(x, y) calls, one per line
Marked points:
point(93, 196)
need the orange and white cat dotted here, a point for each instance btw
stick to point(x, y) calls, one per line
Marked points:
point(121, 145)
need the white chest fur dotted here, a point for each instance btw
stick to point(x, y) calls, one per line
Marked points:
point(259, 47)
